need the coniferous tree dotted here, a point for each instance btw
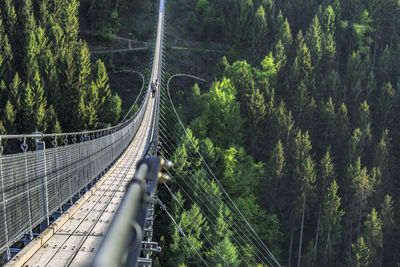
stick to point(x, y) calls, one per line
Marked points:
point(330, 231)
point(314, 39)
point(326, 178)
point(360, 255)
point(388, 226)
point(373, 236)
point(274, 184)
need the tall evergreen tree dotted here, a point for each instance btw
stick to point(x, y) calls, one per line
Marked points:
point(361, 254)
point(373, 236)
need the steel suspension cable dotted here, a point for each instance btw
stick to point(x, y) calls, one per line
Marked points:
point(180, 230)
point(193, 187)
point(213, 176)
point(235, 220)
point(191, 218)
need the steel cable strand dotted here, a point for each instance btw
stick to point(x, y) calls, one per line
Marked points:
point(180, 230)
point(123, 162)
point(235, 219)
point(197, 226)
point(110, 199)
point(234, 205)
point(140, 92)
point(188, 169)
point(220, 185)
point(212, 202)
point(76, 166)
point(211, 213)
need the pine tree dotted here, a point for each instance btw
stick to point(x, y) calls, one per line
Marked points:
point(184, 253)
point(15, 92)
point(361, 254)
point(28, 123)
point(257, 112)
point(112, 113)
point(303, 79)
point(314, 39)
point(6, 55)
point(365, 127)
point(388, 225)
point(101, 83)
point(363, 186)
point(10, 18)
point(52, 121)
point(342, 133)
point(330, 231)
point(51, 80)
point(303, 181)
point(381, 161)
point(373, 236)
point(329, 39)
point(260, 28)
point(326, 178)
point(274, 183)
point(285, 35)
point(70, 21)
point(384, 107)
point(31, 64)
point(9, 117)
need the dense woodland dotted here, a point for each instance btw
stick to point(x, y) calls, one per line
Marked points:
point(300, 126)
point(47, 80)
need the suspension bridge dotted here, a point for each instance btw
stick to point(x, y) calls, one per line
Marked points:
point(77, 189)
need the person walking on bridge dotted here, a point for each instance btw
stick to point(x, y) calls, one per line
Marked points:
point(153, 88)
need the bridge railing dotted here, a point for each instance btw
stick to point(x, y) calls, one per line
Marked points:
point(35, 184)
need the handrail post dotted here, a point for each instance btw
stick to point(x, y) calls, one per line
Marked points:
point(4, 203)
point(27, 191)
point(41, 148)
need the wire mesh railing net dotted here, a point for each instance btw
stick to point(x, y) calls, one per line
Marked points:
point(34, 184)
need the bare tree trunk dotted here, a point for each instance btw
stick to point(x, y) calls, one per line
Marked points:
point(301, 231)
point(319, 220)
point(327, 242)
point(116, 5)
point(290, 249)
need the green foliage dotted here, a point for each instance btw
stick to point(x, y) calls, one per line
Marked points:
point(45, 70)
point(338, 83)
point(361, 254)
point(238, 164)
point(221, 114)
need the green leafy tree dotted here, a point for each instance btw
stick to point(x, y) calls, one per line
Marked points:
point(238, 164)
point(222, 114)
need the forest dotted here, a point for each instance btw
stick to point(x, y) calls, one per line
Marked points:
point(299, 124)
point(48, 82)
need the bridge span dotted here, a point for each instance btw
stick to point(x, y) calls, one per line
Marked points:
point(74, 238)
